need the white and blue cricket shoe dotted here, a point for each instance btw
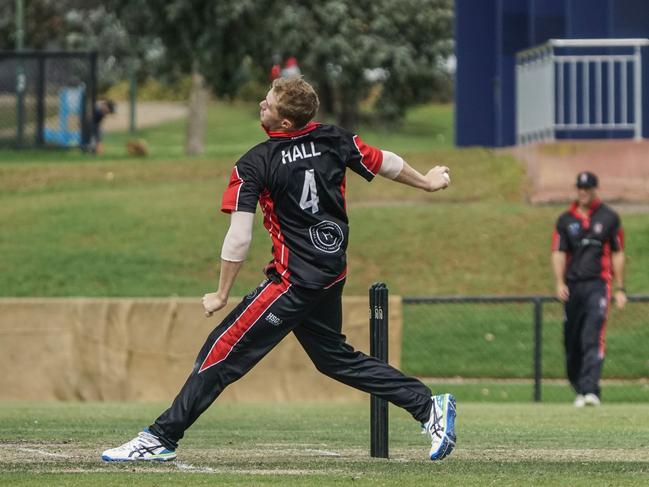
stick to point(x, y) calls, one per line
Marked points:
point(441, 426)
point(145, 446)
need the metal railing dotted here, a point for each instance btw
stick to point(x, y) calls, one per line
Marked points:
point(515, 344)
point(582, 85)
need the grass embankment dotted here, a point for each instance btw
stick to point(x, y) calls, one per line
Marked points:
point(78, 225)
point(114, 226)
point(322, 445)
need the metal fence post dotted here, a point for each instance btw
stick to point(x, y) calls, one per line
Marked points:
point(40, 102)
point(92, 96)
point(21, 84)
point(637, 93)
point(538, 339)
point(379, 349)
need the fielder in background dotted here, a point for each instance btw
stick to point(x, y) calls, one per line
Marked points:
point(297, 177)
point(101, 111)
point(587, 254)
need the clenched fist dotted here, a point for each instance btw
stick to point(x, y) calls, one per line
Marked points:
point(213, 302)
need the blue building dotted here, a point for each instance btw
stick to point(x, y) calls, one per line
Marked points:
point(490, 33)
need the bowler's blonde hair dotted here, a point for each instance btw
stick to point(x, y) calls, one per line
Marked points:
point(296, 100)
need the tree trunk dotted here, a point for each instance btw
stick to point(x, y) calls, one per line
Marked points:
point(327, 99)
point(197, 115)
point(348, 111)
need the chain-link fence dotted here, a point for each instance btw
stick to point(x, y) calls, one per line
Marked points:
point(511, 348)
point(46, 98)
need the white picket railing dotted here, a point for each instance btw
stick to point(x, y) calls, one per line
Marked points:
point(597, 90)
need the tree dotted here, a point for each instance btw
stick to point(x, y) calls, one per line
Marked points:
point(205, 38)
point(44, 23)
point(82, 25)
point(344, 46)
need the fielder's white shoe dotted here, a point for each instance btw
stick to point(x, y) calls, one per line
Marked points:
point(144, 446)
point(441, 426)
point(591, 399)
point(580, 401)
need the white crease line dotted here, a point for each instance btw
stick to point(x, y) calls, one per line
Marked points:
point(191, 468)
point(44, 453)
point(187, 466)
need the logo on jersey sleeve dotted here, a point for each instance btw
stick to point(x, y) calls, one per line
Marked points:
point(326, 236)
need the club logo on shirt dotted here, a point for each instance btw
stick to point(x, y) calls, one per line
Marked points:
point(326, 236)
point(573, 228)
point(598, 227)
point(299, 151)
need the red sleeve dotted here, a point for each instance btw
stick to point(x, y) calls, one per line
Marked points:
point(230, 199)
point(244, 188)
point(618, 240)
point(560, 240)
point(365, 159)
point(556, 240)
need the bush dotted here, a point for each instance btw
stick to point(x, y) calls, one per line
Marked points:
point(152, 90)
point(253, 91)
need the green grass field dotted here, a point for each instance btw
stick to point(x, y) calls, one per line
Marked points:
point(80, 225)
point(497, 340)
point(116, 226)
point(323, 445)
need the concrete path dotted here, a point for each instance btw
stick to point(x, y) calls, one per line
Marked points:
point(148, 113)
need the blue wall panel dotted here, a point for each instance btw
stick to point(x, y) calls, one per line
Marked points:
point(547, 21)
point(630, 18)
point(513, 36)
point(475, 47)
point(588, 19)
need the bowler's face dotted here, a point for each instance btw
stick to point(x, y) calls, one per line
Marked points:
point(268, 112)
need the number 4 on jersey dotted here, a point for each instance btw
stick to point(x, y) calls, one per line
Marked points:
point(309, 192)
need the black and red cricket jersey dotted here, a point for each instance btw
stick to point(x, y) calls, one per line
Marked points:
point(298, 179)
point(588, 241)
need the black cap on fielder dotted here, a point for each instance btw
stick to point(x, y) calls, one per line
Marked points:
point(586, 180)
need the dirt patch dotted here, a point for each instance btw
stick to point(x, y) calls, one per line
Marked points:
point(622, 167)
point(272, 460)
point(83, 458)
point(39, 452)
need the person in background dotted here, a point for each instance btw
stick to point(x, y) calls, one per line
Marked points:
point(587, 258)
point(291, 68)
point(275, 69)
point(102, 109)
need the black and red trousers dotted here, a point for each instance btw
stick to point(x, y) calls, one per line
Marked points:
point(262, 319)
point(586, 313)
